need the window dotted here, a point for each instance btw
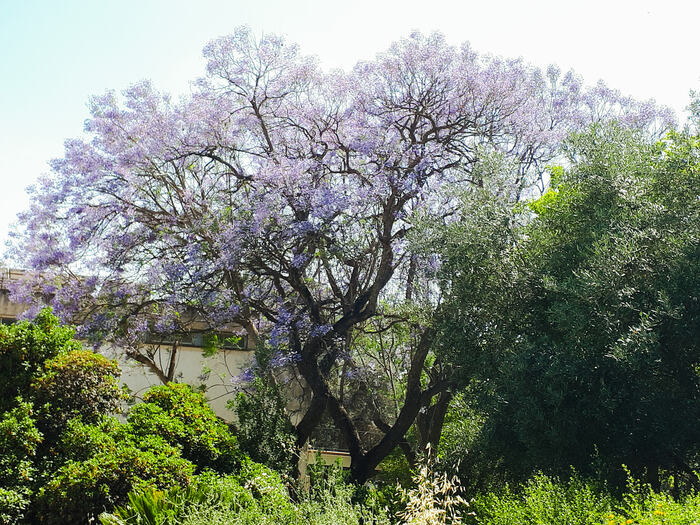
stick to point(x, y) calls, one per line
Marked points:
point(222, 340)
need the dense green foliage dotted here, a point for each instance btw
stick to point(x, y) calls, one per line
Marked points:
point(264, 429)
point(62, 459)
point(182, 418)
point(80, 490)
point(19, 440)
point(580, 330)
point(544, 500)
point(46, 379)
point(82, 383)
point(256, 495)
point(24, 349)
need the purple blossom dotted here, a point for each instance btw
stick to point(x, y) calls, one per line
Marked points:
point(245, 377)
point(434, 263)
point(321, 330)
point(299, 260)
point(281, 359)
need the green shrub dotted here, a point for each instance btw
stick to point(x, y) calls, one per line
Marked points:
point(182, 418)
point(257, 495)
point(267, 487)
point(78, 383)
point(62, 460)
point(80, 490)
point(264, 430)
point(331, 500)
point(24, 348)
point(545, 500)
point(80, 441)
point(166, 439)
point(19, 441)
point(13, 505)
point(542, 501)
point(641, 505)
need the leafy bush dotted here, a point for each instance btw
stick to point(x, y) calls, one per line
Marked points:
point(257, 495)
point(80, 490)
point(331, 500)
point(146, 460)
point(19, 440)
point(544, 500)
point(264, 430)
point(81, 384)
point(265, 485)
point(80, 441)
point(182, 418)
point(641, 505)
point(42, 362)
point(13, 505)
point(24, 348)
point(62, 460)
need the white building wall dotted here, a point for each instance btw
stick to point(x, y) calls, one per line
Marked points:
point(216, 374)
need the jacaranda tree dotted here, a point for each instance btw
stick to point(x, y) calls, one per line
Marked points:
point(279, 198)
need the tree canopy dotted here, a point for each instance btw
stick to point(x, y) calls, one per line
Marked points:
point(580, 337)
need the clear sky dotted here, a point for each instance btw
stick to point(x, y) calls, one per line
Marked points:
point(54, 54)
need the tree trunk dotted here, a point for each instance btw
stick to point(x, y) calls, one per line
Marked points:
point(363, 463)
point(430, 422)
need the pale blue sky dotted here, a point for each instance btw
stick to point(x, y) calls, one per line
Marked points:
point(55, 53)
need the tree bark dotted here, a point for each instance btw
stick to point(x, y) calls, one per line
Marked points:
point(430, 422)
